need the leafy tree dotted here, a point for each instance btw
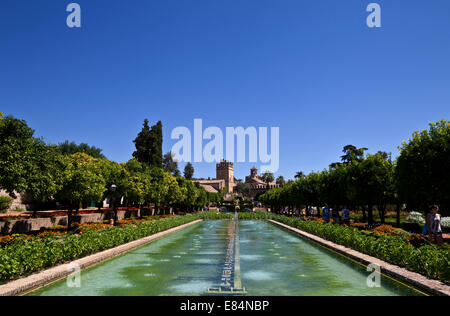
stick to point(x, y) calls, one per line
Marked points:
point(299, 175)
point(201, 196)
point(138, 183)
point(70, 148)
point(242, 189)
point(158, 189)
point(82, 182)
point(375, 183)
point(45, 177)
point(192, 195)
point(170, 165)
point(189, 171)
point(174, 193)
point(280, 181)
point(423, 167)
point(268, 177)
point(17, 148)
point(113, 173)
point(352, 153)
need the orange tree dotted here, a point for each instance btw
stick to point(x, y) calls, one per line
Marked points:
point(82, 182)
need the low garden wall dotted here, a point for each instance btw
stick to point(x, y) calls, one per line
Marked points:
point(36, 224)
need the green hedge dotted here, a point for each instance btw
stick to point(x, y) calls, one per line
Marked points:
point(5, 203)
point(255, 215)
point(431, 261)
point(215, 215)
point(24, 257)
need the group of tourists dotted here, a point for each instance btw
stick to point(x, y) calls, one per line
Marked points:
point(334, 213)
point(341, 216)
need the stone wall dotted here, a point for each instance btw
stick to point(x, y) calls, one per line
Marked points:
point(22, 201)
point(36, 224)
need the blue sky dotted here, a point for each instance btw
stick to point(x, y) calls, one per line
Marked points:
point(313, 68)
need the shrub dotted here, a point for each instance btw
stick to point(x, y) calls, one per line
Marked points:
point(215, 215)
point(19, 210)
point(5, 203)
point(255, 215)
point(416, 218)
point(445, 222)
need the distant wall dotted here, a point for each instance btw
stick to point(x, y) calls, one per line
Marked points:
point(36, 224)
point(22, 201)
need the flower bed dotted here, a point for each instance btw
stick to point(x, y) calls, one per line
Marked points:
point(24, 254)
point(7, 218)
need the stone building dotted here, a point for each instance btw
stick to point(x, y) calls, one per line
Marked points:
point(224, 178)
point(212, 186)
point(256, 185)
point(225, 171)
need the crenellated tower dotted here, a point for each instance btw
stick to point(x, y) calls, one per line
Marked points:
point(225, 171)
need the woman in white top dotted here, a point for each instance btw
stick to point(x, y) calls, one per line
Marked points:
point(435, 226)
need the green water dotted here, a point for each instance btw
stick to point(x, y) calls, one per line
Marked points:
point(273, 262)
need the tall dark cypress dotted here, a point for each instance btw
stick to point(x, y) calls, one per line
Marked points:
point(156, 158)
point(144, 144)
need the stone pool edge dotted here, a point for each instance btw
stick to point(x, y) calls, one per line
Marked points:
point(417, 280)
point(46, 277)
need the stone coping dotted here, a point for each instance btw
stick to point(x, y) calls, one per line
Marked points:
point(416, 280)
point(43, 278)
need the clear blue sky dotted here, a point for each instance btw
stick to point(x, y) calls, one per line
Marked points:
point(313, 68)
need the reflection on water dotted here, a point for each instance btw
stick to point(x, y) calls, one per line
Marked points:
point(273, 262)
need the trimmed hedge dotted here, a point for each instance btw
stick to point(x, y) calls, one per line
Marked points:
point(215, 215)
point(255, 215)
point(24, 257)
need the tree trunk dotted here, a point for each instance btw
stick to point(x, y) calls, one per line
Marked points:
point(69, 219)
point(364, 214)
point(382, 213)
point(370, 217)
point(398, 215)
point(115, 215)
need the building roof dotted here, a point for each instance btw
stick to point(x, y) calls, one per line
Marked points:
point(209, 188)
point(209, 181)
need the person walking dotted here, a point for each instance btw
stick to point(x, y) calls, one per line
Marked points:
point(311, 212)
point(435, 226)
point(346, 215)
point(326, 214)
point(335, 214)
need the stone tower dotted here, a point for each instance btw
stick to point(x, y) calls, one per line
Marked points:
point(254, 172)
point(225, 171)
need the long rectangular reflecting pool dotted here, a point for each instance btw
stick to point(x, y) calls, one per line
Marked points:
point(190, 262)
